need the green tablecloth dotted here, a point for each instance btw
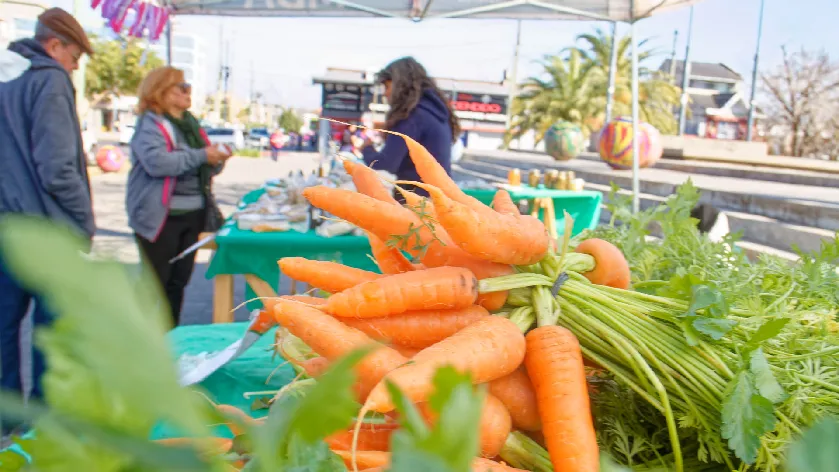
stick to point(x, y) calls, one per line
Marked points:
point(248, 373)
point(248, 252)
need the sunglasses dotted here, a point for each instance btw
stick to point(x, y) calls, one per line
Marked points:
point(185, 87)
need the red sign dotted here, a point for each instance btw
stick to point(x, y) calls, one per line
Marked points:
point(477, 107)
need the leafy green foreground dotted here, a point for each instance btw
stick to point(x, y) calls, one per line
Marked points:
point(774, 321)
point(112, 378)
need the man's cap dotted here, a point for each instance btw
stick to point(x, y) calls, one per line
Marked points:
point(63, 24)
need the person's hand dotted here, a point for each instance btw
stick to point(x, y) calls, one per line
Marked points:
point(215, 156)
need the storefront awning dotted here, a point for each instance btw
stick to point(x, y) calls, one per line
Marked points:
point(418, 10)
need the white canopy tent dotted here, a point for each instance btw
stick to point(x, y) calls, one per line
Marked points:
point(629, 11)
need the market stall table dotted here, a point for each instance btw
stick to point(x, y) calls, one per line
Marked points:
point(244, 252)
point(248, 252)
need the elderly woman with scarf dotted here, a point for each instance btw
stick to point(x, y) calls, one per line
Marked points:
point(169, 196)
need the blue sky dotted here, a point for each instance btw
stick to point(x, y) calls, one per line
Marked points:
point(286, 53)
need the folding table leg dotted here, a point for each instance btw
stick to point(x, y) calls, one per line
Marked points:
point(223, 298)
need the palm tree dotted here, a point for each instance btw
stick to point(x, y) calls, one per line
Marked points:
point(567, 93)
point(657, 97)
point(573, 85)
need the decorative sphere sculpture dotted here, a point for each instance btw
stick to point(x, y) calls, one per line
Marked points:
point(615, 144)
point(110, 158)
point(564, 141)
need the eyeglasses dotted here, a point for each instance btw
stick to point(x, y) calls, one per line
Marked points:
point(185, 87)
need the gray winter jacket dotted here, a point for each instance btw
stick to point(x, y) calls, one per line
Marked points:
point(43, 170)
point(158, 159)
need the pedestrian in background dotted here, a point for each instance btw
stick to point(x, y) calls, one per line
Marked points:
point(43, 171)
point(417, 109)
point(169, 195)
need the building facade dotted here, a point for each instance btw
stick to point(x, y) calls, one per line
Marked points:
point(718, 99)
point(17, 20)
point(350, 95)
point(188, 54)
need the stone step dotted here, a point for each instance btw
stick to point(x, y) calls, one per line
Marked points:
point(740, 171)
point(794, 204)
point(757, 231)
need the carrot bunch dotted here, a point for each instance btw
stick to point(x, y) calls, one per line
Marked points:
point(446, 263)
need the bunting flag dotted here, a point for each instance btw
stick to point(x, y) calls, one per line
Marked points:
point(148, 19)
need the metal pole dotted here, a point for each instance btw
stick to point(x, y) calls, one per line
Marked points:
point(79, 74)
point(613, 66)
point(169, 41)
point(750, 124)
point(514, 72)
point(636, 148)
point(683, 110)
point(672, 71)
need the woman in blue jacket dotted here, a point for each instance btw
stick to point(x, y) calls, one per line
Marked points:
point(418, 109)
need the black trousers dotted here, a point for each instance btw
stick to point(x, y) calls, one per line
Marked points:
point(178, 233)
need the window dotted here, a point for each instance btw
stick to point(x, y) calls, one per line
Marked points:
point(182, 57)
point(24, 28)
point(186, 42)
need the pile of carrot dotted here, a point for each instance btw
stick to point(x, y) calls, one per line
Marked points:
point(443, 262)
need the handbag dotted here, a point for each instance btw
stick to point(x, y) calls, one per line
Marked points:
point(213, 217)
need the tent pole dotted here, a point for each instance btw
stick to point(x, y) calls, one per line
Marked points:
point(613, 66)
point(683, 109)
point(751, 122)
point(636, 148)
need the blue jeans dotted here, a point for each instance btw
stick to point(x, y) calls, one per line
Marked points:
point(14, 303)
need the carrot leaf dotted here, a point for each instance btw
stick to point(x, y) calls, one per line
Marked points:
point(452, 443)
point(293, 433)
point(816, 450)
point(746, 416)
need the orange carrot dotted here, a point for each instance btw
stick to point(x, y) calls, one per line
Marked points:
point(408, 352)
point(489, 349)
point(316, 301)
point(328, 276)
point(237, 416)
point(516, 393)
point(432, 173)
point(418, 329)
point(378, 460)
point(610, 265)
point(429, 289)
point(208, 446)
point(486, 465)
point(315, 367)
point(364, 459)
point(496, 237)
point(494, 427)
point(386, 220)
point(503, 203)
point(372, 437)
point(389, 259)
point(367, 181)
point(332, 339)
point(555, 364)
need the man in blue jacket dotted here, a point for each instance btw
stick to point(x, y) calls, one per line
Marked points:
point(43, 171)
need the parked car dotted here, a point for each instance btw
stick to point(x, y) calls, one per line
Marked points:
point(258, 138)
point(231, 137)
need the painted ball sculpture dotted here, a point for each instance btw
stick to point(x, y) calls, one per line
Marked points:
point(564, 141)
point(110, 158)
point(615, 145)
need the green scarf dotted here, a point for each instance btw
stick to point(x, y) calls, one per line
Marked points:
point(190, 128)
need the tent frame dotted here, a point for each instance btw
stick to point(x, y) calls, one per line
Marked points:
point(419, 13)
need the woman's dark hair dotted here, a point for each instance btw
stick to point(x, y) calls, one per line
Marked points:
point(408, 82)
